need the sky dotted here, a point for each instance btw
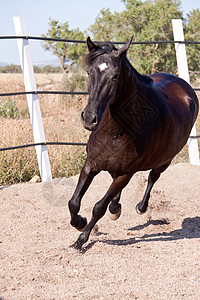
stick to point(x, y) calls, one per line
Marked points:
point(78, 13)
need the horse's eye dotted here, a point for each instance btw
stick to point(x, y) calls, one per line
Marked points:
point(88, 71)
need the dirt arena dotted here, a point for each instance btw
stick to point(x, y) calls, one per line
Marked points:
point(153, 256)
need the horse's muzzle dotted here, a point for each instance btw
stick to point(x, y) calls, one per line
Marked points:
point(89, 120)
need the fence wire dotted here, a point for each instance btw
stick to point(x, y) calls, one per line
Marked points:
point(43, 144)
point(28, 37)
point(74, 93)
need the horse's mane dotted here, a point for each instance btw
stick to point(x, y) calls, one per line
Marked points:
point(107, 48)
point(143, 79)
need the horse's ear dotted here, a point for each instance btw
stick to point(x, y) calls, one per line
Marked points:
point(91, 45)
point(123, 50)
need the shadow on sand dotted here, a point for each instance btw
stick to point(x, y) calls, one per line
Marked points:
point(190, 230)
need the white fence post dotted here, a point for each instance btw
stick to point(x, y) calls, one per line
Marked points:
point(184, 74)
point(32, 99)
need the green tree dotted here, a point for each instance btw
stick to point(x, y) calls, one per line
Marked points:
point(192, 33)
point(104, 27)
point(146, 21)
point(68, 53)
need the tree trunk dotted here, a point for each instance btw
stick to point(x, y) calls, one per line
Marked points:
point(62, 64)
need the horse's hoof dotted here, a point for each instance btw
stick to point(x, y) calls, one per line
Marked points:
point(74, 250)
point(82, 223)
point(139, 211)
point(116, 215)
point(76, 247)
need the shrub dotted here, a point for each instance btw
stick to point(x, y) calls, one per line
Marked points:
point(11, 69)
point(75, 82)
point(8, 109)
point(17, 166)
point(21, 165)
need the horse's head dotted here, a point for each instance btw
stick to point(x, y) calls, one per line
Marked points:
point(103, 67)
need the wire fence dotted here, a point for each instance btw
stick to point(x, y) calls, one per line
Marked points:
point(27, 37)
point(43, 144)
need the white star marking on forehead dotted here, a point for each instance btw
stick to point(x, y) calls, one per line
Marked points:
point(102, 67)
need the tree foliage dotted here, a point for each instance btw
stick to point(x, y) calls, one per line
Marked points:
point(68, 53)
point(150, 21)
point(146, 21)
point(192, 33)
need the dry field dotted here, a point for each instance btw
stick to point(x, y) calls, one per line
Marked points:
point(61, 120)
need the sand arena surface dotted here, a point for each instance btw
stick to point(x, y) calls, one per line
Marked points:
point(154, 256)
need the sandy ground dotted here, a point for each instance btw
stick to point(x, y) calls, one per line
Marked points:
point(153, 256)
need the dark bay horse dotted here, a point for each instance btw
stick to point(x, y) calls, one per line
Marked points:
point(138, 123)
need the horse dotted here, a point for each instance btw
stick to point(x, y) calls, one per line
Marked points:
point(138, 123)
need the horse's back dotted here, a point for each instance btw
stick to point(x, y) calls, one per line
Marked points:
point(179, 95)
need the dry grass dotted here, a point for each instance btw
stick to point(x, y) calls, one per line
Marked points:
point(61, 120)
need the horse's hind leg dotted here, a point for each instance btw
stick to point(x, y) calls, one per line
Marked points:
point(141, 207)
point(84, 181)
point(115, 207)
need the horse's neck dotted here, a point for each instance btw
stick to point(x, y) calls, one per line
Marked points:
point(132, 108)
point(129, 83)
point(127, 89)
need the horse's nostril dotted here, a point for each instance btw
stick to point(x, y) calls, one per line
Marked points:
point(83, 116)
point(89, 119)
point(94, 121)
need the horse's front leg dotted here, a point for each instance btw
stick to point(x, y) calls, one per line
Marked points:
point(100, 208)
point(85, 179)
